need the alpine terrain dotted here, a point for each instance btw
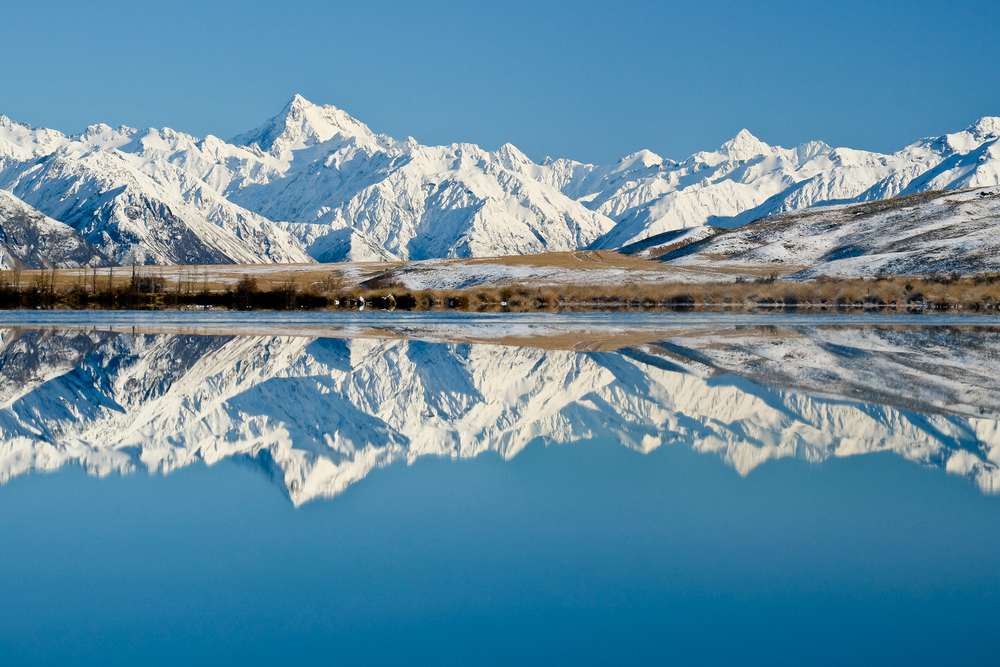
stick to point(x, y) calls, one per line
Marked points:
point(315, 184)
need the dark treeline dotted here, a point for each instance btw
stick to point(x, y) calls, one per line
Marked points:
point(148, 292)
point(944, 292)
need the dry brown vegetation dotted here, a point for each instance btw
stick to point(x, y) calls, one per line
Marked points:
point(324, 288)
point(309, 277)
point(325, 278)
point(902, 293)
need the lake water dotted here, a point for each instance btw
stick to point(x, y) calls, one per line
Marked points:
point(385, 488)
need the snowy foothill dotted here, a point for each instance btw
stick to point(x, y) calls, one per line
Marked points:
point(929, 233)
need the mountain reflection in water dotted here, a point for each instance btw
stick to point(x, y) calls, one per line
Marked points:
point(320, 411)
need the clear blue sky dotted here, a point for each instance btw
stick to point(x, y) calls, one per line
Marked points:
point(591, 80)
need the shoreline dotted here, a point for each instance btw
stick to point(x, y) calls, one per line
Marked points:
point(145, 290)
point(913, 296)
point(581, 331)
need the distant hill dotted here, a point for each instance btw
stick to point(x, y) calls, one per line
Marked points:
point(931, 232)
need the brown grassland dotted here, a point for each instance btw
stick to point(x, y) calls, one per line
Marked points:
point(303, 287)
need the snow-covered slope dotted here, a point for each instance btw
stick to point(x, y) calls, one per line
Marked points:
point(29, 238)
point(320, 414)
point(931, 232)
point(315, 183)
point(115, 189)
point(746, 179)
point(352, 194)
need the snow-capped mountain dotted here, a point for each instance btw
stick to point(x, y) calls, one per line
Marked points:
point(746, 179)
point(114, 188)
point(29, 238)
point(315, 183)
point(349, 193)
point(320, 414)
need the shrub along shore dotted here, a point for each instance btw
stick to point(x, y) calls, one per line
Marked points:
point(977, 293)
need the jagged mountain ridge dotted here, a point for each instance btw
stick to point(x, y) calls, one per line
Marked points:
point(747, 179)
point(314, 183)
point(118, 194)
point(321, 414)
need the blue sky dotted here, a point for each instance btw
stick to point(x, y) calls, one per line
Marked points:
point(591, 80)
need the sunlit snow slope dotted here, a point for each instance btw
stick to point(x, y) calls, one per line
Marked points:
point(933, 232)
point(314, 183)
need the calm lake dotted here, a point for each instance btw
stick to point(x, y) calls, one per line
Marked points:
point(609, 489)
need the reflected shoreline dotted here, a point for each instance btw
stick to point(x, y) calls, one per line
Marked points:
point(528, 329)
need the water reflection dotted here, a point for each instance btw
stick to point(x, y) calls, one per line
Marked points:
point(319, 412)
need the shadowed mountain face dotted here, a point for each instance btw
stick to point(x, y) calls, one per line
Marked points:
point(319, 414)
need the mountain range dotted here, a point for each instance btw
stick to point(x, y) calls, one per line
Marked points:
point(314, 183)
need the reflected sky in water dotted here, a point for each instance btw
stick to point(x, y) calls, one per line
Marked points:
point(594, 490)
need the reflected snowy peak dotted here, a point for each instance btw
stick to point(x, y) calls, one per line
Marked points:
point(321, 413)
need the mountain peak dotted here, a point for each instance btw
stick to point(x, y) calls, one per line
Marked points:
point(640, 159)
point(104, 136)
point(23, 141)
point(647, 158)
point(811, 149)
point(745, 146)
point(512, 155)
point(299, 102)
point(745, 135)
point(301, 124)
point(987, 126)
